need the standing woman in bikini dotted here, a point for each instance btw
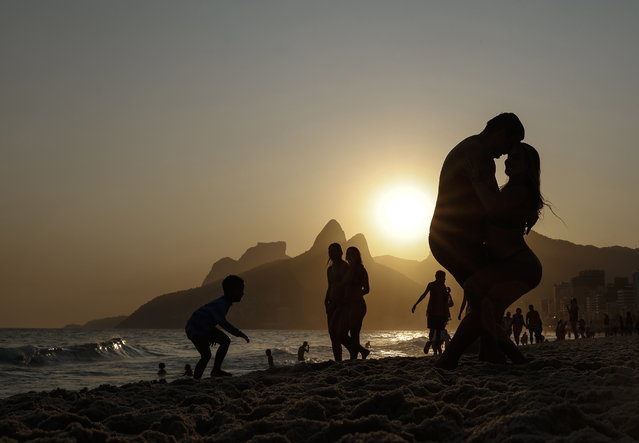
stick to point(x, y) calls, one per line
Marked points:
point(356, 287)
point(514, 269)
point(335, 302)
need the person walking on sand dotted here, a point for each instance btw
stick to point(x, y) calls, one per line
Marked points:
point(301, 350)
point(518, 324)
point(436, 311)
point(457, 233)
point(573, 316)
point(534, 325)
point(514, 269)
point(201, 327)
point(335, 301)
point(356, 287)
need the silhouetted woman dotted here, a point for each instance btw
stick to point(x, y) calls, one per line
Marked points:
point(335, 301)
point(514, 269)
point(356, 287)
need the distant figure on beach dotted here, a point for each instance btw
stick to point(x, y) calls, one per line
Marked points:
point(269, 358)
point(560, 330)
point(367, 345)
point(621, 327)
point(514, 269)
point(582, 327)
point(457, 233)
point(606, 324)
point(161, 371)
point(188, 372)
point(534, 325)
point(573, 316)
point(356, 287)
point(201, 327)
point(518, 324)
point(524, 338)
point(301, 350)
point(335, 300)
point(436, 311)
point(629, 323)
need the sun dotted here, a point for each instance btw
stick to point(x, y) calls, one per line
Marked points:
point(403, 211)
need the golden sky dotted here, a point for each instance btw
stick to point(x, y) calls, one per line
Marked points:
point(142, 141)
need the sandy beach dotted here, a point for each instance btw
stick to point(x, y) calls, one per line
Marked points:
point(585, 390)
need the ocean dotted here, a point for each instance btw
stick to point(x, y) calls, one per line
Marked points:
point(46, 359)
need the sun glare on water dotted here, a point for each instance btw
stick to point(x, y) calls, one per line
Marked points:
point(403, 211)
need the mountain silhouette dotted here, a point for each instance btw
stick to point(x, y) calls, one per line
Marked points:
point(289, 293)
point(253, 257)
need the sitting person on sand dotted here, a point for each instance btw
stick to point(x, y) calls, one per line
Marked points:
point(161, 371)
point(524, 338)
point(201, 327)
point(437, 311)
point(188, 372)
point(269, 357)
point(301, 350)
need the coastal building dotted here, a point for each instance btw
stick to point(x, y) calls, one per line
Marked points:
point(563, 294)
point(586, 286)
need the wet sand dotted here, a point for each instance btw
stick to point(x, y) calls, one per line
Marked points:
point(584, 390)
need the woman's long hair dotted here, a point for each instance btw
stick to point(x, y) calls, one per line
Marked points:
point(356, 254)
point(532, 178)
point(335, 252)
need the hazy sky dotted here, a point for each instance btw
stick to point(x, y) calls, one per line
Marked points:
point(142, 141)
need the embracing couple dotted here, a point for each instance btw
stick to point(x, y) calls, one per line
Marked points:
point(477, 234)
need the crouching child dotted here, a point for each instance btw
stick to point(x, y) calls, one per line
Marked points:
point(202, 331)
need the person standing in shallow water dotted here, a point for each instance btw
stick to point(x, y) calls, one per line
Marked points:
point(356, 286)
point(301, 350)
point(335, 300)
point(436, 312)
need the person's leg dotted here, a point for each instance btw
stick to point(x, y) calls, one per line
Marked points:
point(429, 342)
point(356, 319)
point(333, 333)
point(223, 342)
point(203, 347)
point(468, 331)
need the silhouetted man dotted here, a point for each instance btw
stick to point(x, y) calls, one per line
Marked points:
point(457, 229)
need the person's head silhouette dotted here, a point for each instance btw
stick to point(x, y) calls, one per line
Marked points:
point(502, 133)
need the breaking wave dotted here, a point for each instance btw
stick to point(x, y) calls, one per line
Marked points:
point(115, 348)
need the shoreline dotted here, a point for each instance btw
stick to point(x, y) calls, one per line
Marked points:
point(585, 389)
